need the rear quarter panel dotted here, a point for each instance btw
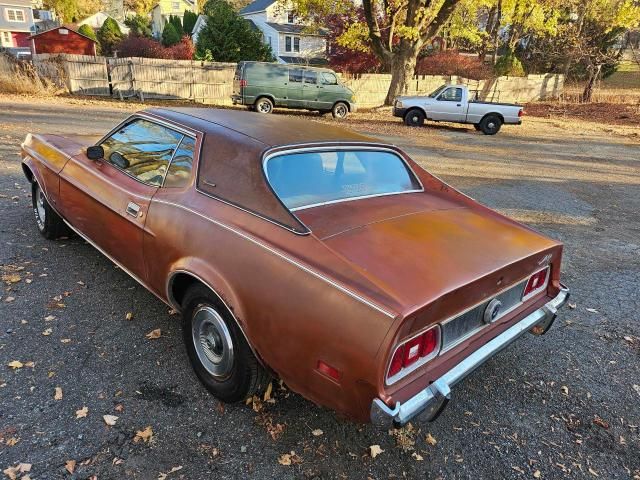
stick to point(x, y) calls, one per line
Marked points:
point(477, 111)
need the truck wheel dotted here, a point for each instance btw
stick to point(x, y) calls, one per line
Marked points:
point(340, 110)
point(219, 353)
point(49, 223)
point(490, 125)
point(414, 118)
point(264, 105)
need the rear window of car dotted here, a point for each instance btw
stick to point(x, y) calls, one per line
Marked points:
point(308, 179)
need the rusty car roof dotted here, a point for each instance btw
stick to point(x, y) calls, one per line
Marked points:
point(270, 130)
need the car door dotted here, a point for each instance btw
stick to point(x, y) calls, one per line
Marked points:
point(294, 88)
point(310, 89)
point(107, 200)
point(329, 90)
point(449, 106)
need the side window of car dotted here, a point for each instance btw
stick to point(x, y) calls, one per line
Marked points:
point(142, 149)
point(179, 172)
point(452, 95)
point(328, 78)
point(310, 76)
point(295, 75)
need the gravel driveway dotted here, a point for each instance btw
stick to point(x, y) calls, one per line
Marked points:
point(558, 406)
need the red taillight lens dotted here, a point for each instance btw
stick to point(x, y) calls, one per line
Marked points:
point(408, 353)
point(536, 283)
point(396, 361)
point(520, 112)
point(243, 83)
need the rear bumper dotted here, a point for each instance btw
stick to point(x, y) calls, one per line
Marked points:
point(237, 99)
point(430, 402)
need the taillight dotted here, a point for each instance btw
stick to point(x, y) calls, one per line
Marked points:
point(243, 83)
point(536, 283)
point(414, 352)
point(520, 112)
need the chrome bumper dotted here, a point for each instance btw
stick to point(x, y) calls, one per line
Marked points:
point(430, 402)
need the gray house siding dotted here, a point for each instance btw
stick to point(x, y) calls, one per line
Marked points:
point(15, 26)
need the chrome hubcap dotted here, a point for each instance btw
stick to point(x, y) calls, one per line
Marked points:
point(40, 211)
point(212, 341)
point(491, 125)
point(341, 111)
point(264, 107)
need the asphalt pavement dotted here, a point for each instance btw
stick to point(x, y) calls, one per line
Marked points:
point(565, 405)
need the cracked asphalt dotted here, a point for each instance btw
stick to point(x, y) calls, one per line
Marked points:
point(565, 405)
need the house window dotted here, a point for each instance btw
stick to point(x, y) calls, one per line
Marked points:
point(6, 39)
point(291, 18)
point(14, 15)
point(291, 44)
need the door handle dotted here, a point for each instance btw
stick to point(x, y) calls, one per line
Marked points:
point(133, 209)
point(459, 104)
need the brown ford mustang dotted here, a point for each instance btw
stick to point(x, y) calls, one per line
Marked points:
point(304, 251)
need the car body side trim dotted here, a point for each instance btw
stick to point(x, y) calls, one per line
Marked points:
point(278, 253)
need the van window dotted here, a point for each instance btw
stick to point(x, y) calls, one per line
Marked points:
point(311, 178)
point(310, 76)
point(295, 75)
point(328, 78)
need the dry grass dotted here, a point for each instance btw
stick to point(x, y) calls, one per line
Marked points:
point(21, 77)
point(604, 93)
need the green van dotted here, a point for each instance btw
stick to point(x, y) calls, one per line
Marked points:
point(262, 86)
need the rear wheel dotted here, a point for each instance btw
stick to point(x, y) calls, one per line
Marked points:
point(49, 223)
point(340, 110)
point(264, 105)
point(219, 353)
point(490, 125)
point(414, 118)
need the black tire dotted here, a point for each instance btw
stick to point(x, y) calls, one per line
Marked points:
point(49, 223)
point(414, 118)
point(340, 111)
point(476, 126)
point(239, 378)
point(263, 105)
point(490, 125)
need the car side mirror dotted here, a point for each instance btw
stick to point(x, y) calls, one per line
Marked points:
point(95, 152)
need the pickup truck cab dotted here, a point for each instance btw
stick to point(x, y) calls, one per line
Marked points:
point(451, 103)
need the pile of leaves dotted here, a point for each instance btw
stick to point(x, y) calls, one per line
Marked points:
point(597, 112)
point(451, 62)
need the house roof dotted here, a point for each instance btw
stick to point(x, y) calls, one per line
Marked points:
point(67, 27)
point(257, 6)
point(295, 28)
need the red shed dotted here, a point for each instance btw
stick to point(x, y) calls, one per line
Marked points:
point(62, 40)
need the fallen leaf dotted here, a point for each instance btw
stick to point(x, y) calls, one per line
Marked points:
point(29, 364)
point(592, 310)
point(12, 472)
point(317, 432)
point(82, 412)
point(144, 435)
point(565, 390)
point(15, 364)
point(284, 459)
point(70, 465)
point(628, 339)
point(65, 340)
point(119, 407)
point(430, 439)
point(593, 472)
point(47, 332)
point(267, 393)
point(154, 334)
point(13, 440)
point(128, 316)
point(637, 389)
point(110, 419)
point(9, 299)
point(58, 395)
point(163, 476)
point(601, 423)
point(417, 457)
point(49, 318)
point(375, 450)
point(572, 306)
point(518, 469)
point(28, 280)
point(537, 474)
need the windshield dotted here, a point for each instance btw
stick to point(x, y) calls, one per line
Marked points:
point(308, 179)
point(437, 91)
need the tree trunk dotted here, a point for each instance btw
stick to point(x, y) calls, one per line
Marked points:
point(496, 32)
point(403, 67)
point(594, 73)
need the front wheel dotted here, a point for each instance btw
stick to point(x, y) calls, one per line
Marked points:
point(490, 125)
point(264, 105)
point(340, 110)
point(219, 353)
point(414, 118)
point(49, 223)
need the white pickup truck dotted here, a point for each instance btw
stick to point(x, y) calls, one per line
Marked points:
point(450, 103)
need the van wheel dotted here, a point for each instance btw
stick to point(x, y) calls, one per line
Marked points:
point(264, 105)
point(490, 125)
point(414, 118)
point(219, 353)
point(340, 110)
point(49, 223)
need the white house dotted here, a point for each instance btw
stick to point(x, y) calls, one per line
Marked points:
point(290, 40)
point(96, 20)
point(162, 10)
